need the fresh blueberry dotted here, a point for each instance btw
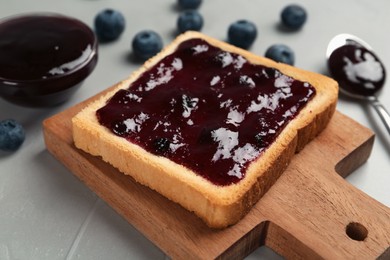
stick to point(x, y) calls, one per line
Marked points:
point(189, 4)
point(146, 44)
point(293, 16)
point(281, 53)
point(12, 135)
point(190, 20)
point(109, 25)
point(242, 33)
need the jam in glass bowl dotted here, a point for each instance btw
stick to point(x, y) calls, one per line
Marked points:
point(44, 57)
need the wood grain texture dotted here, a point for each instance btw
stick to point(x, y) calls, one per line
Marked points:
point(304, 215)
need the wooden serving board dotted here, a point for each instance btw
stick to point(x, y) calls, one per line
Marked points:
point(311, 212)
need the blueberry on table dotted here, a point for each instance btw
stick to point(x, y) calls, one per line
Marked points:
point(146, 44)
point(293, 16)
point(12, 135)
point(109, 25)
point(189, 4)
point(242, 33)
point(281, 53)
point(190, 20)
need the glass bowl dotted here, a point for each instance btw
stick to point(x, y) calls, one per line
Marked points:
point(44, 58)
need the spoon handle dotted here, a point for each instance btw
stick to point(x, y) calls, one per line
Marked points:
point(382, 112)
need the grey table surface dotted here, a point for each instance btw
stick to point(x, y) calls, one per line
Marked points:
point(47, 213)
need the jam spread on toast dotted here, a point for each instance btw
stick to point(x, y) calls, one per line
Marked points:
point(207, 109)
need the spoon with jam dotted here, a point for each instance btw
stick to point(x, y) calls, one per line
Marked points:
point(359, 72)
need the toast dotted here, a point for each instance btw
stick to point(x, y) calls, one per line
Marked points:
point(220, 186)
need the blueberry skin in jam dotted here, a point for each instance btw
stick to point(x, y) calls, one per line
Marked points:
point(357, 69)
point(207, 109)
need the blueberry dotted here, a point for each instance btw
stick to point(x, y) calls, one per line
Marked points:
point(293, 16)
point(270, 72)
point(109, 25)
point(189, 4)
point(119, 128)
point(188, 102)
point(259, 140)
point(146, 44)
point(161, 145)
point(280, 53)
point(190, 20)
point(12, 135)
point(242, 33)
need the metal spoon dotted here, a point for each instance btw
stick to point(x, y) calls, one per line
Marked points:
point(358, 71)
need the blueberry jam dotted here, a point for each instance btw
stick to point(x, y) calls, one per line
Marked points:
point(207, 109)
point(42, 46)
point(357, 69)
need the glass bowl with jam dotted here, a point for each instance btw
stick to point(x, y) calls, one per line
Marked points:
point(44, 58)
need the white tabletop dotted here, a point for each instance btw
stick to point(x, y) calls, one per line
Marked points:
point(47, 213)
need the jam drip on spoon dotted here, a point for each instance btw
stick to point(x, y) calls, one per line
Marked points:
point(357, 69)
point(207, 109)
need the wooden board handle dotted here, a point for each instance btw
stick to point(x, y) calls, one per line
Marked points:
point(320, 215)
point(335, 229)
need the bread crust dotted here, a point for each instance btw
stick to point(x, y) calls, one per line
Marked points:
point(217, 206)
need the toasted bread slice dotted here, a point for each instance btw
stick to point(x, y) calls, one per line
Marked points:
point(217, 205)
